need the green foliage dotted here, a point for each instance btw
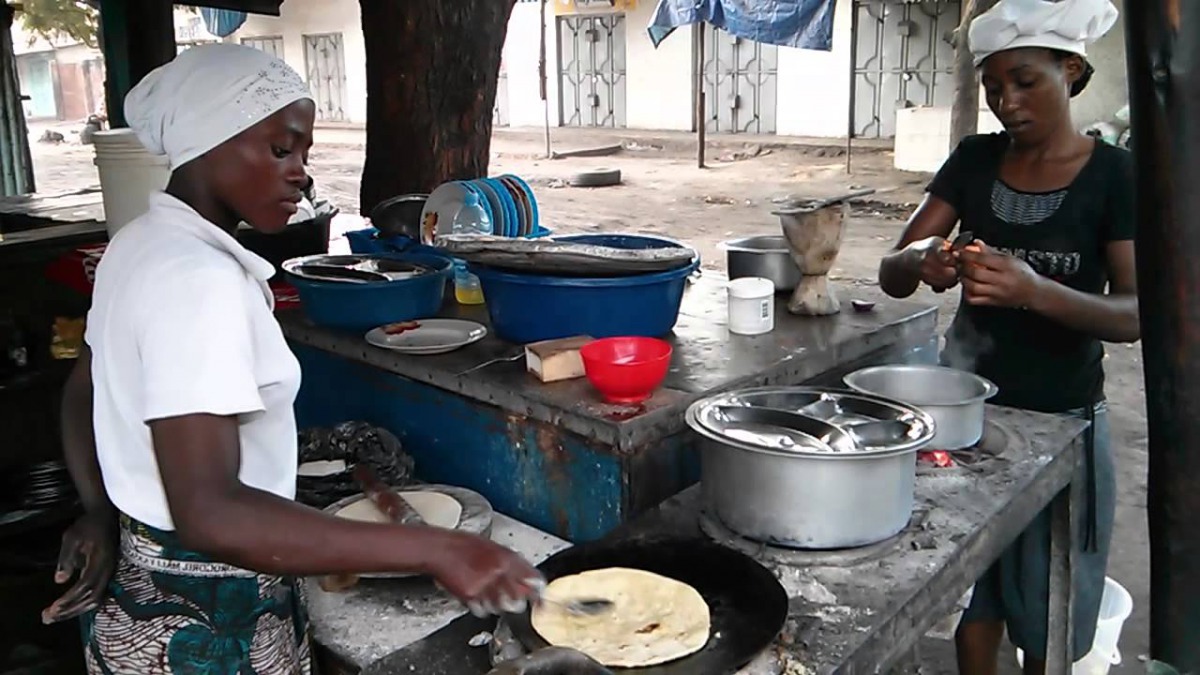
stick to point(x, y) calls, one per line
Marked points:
point(57, 19)
point(75, 19)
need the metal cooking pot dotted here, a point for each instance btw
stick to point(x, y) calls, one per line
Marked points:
point(785, 487)
point(953, 398)
point(766, 256)
point(400, 216)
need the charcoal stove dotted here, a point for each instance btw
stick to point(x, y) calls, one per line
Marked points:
point(997, 441)
point(714, 529)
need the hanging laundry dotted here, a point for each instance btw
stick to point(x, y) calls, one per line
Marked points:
point(222, 22)
point(807, 24)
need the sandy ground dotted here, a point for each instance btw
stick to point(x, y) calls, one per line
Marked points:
point(665, 193)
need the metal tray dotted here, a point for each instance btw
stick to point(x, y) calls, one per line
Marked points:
point(564, 258)
point(808, 420)
point(354, 269)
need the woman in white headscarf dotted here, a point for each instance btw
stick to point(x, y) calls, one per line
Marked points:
point(1047, 278)
point(178, 424)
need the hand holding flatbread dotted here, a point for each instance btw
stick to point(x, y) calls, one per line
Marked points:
point(653, 619)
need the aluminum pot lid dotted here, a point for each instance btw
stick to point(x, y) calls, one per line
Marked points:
point(811, 421)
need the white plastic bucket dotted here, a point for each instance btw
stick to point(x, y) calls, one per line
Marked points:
point(751, 306)
point(128, 175)
point(1115, 607)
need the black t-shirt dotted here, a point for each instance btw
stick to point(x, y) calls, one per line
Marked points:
point(1038, 363)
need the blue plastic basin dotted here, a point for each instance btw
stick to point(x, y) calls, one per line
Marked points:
point(528, 308)
point(361, 307)
point(621, 240)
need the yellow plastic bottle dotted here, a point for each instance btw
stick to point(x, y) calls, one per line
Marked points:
point(470, 293)
point(470, 219)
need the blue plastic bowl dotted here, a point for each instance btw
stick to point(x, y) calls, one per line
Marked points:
point(528, 308)
point(361, 307)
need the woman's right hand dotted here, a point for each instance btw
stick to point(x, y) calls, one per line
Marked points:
point(486, 577)
point(939, 269)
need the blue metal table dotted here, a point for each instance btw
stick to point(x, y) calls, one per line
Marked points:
point(555, 456)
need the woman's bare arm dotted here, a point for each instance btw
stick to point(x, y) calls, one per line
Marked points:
point(216, 514)
point(78, 436)
point(1112, 317)
point(903, 270)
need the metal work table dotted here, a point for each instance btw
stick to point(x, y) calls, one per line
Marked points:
point(61, 219)
point(863, 611)
point(555, 456)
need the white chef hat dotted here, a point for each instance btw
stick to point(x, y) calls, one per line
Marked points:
point(1068, 25)
point(206, 96)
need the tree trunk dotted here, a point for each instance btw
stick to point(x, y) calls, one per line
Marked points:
point(964, 115)
point(1164, 86)
point(432, 69)
point(16, 163)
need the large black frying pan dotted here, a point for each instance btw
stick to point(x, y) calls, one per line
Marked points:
point(747, 605)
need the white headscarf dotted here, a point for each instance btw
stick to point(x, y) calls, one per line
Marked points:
point(1068, 25)
point(206, 96)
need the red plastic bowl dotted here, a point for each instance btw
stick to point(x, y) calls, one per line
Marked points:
point(626, 369)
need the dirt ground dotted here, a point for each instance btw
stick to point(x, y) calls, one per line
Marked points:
point(665, 193)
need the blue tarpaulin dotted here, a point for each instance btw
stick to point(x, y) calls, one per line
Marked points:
point(222, 22)
point(807, 24)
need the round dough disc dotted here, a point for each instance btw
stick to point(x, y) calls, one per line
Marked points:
point(435, 508)
point(653, 619)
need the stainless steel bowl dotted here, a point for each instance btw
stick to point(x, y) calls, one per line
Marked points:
point(400, 215)
point(953, 398)
point(764, 256)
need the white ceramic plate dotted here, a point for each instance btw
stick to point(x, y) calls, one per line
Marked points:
point(428, 336)
point(443, 204)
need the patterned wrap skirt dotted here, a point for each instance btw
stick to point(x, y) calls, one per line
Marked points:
point(171, 610)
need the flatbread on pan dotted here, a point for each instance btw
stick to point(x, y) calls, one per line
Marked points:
point(653, 619)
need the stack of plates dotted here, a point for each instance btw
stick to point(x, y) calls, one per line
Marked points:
point(47, 485)
point(507, 199)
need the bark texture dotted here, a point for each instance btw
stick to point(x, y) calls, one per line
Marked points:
point(432, 69)
point(1162, 37)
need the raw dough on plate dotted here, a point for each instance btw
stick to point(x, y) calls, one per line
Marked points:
point(435, 508)
point(653, 620)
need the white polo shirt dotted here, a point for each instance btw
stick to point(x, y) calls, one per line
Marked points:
point(181, 323)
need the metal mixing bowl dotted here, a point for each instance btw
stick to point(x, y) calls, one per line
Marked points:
point(765, 256)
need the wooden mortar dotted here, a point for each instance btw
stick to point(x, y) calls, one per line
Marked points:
point(814, 235)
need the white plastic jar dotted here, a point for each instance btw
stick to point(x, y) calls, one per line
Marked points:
point(129, 174)
point(751, 306)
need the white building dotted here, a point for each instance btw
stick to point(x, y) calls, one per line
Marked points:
point(891, 59)
point(603, 70)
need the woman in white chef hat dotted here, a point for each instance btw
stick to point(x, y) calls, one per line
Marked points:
point(178, 423)
point(1048, 278)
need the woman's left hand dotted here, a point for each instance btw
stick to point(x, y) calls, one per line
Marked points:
point(995, 279)
point(89, 549)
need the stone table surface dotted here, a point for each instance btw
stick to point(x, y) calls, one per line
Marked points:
point(707, 359)
point(851, 611)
